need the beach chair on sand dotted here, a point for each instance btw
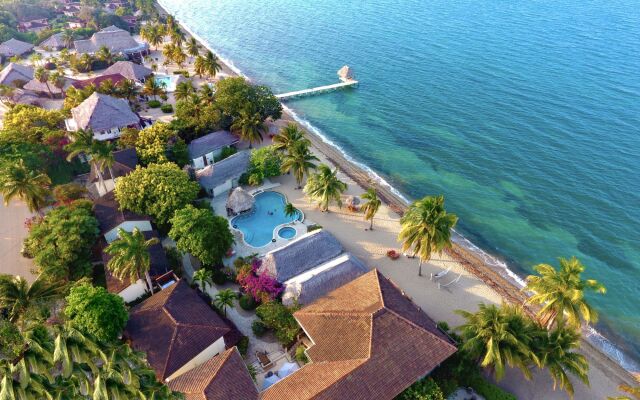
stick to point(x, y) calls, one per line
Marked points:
point(441, 274)
point(440, 286)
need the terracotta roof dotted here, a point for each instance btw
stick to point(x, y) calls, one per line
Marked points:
point(129, 70)
point(370, 341)
point(101, 112)
point(159, 264)
point(13, 72)
point(14, 47)
point(172, 327)
point(96, 81)
point(223, 377)
point(108, 213)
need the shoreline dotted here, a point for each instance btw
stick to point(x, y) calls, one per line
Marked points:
point(499, 278)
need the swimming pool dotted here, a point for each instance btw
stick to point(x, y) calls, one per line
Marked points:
point(258, 225)
point(168, 81)
point(287, 232)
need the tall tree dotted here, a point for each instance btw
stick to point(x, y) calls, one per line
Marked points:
point(152, 87)
point(19, 182)
point(325, 187)
point(22, 300)
point(426, 227)
point(152, 33)
point(84, 143)
point(371, 206)
point(58, 81)
point(105, 55)
point(562, 293)
point(193, 48)
point(208, 65)
point(183, 90)
point(203, 277)
point(499, 337)
point(249, 126)
point(299, 160)
point(289, 137)
point(68, 37)
point(42, 75)
point(224, 299)
point(130, 256)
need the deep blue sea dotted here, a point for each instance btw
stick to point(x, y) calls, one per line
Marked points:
point(525, 114)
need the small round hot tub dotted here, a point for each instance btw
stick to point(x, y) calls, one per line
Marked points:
point(287, 232)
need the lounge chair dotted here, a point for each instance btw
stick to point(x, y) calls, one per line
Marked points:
point(440, 274)
point(265, 362)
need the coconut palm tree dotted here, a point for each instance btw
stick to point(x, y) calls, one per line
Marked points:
point(498, 337)
point(20, 299)
point(324, 186)
point(104, 54)
point(193, 48)
point(371, 206)
point(128, 90)
point(72, 348)
point(58, 80)
point(633, 391)
point(152, 87)
point(224, 299)
point(426, 227)
point(178, 56)
point(102, 153)
point(203, 277)
point(249, 126)
point(117, 379)
point(176, 35)
point(208, 65)
point(68, 38)
point(556, 351)
point(107, 87)
point(290, 210)
point(299, 160)
point(37, 356)
point(562, 293)
point(84, 143)
point(183, 90)
point(288, 137)
point(131, 256)
point(35, 58)
point(206, 93)
point(152, 33)
point(19, 182)
point(42, 75)
point(13, 388)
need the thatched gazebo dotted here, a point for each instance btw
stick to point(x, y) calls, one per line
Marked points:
point(345, 73)
point(239, 200)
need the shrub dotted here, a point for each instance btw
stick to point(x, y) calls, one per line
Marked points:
point(280, 318)
point(166, 108)
point(259, 328)
point(487, 389)
point(243, 345)
point(247, 303)
point(154, 103)
point(50, 66)
point(263, 287)
point(218, 277)
point(181, 72)
point(424, 389)
point(163, 96)
point(313, 227)
point(226, 152)
point(69, 192)
point(300, 355)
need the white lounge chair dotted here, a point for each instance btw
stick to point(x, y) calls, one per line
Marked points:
point(440, 274)
point(450, 283)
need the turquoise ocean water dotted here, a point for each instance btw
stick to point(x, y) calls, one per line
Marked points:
point(524, 114)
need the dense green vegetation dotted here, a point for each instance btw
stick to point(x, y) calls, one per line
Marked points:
point(265, 162)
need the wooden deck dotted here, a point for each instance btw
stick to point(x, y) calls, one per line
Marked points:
point(316, 90)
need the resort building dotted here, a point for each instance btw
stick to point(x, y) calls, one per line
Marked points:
point(302, 254)
point(158, 268)
point(104, 115)
point(366, 340)
point(111, 218)
point(220, 177)
point(53, 42)
point(223, 377)
point(15, 47)
point(47, 88)
point(16, 75)
point(178, 331)
point(130, 70)
point(310, 285)
point(204, 150)
point(100, 182)
point(117, 40)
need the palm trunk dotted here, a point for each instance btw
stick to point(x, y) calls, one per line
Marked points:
point(371, 225)
point(101, 178)
point(419, 265)
point(148, 278)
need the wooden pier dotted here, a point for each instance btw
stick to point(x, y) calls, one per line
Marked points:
point(345, 74)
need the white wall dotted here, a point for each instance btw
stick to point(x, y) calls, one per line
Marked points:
point(216, 348)
point(198, 163)
point(133, 291)
point(225, 187)
point(128, 226)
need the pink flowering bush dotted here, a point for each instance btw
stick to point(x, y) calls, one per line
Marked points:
point(262, 287)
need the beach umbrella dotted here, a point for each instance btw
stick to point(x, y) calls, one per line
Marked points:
point(270, 380)
point(287, 369)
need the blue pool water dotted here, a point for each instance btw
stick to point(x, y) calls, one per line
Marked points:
point(169, 82)
point(287, 232)
point(524, 114)
point(268, 212)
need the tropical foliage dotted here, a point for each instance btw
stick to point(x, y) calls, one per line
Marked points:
point(426, 227)
point(264, 162)
point(203, 277)
point(130, 258)
point(325, 187)
point(299, 160)
point(20, 183)
point(223, 299)
point(280, 318)
point(23, 301)
point(371, 206)
point(261, 286)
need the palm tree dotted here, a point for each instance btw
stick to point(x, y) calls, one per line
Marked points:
point(68, 38)
point(203, 277)
point(372, 205)
point(555, 351)
point(497, 337)
point(176, 35)
point(152, 33)
point(117, 379)
point(199, 66)
point(324, 186)
point(84, 143)
point(103, 155)
point(20, 298)
point(183, 90)
point(130, 256)
point(289, 136)
point(207, 94)
point(152, 87)
point(299, 160)
point(107, 87)
point(426, 227)
point(128, 90)
point(224, 299)
point(73, 348)
point(35, 58)
point(207, 65)
point(20, 182)
point(290, 210)
point(561, 293)
point(178, 56)
point(633, 391)
point(104, 54)
point(42, 75)
point(12, 388)
point(58, 80)
point(249, 126)
point(193, 48)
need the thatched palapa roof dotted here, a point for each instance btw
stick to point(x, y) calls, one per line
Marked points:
point(115, 39)
point(54, 41)
point(101, 112)
point(14, 72)
point(129, 70)
point(345, 73)
point(14, 47)
point(240, 200)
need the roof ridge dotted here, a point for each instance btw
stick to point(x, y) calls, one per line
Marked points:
point(166, 361)
point(420, 327)
point(225, 355)
point(382, 302)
